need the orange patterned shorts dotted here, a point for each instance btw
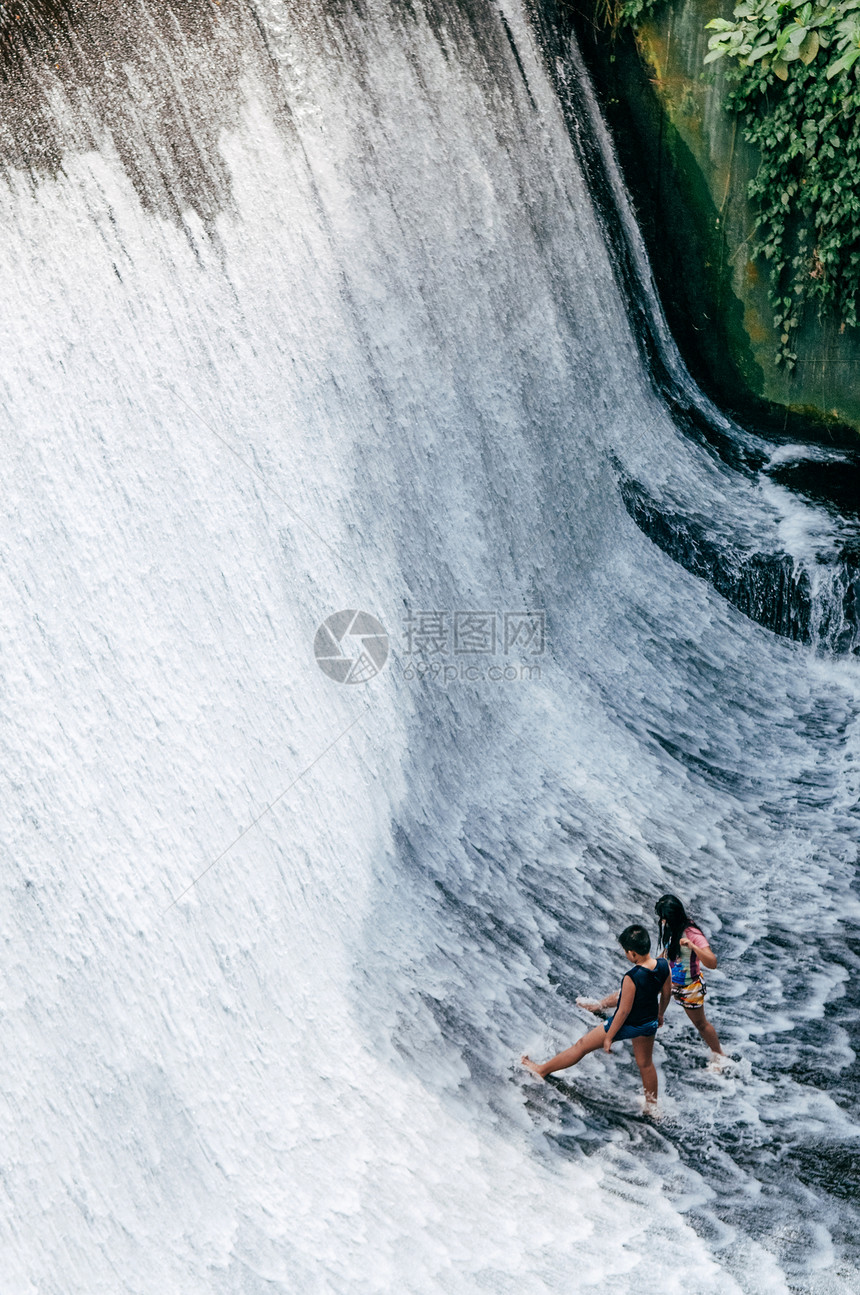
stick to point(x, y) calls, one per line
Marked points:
point(692, 995)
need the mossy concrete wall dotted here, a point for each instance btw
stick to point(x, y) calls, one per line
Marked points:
point(689, 168)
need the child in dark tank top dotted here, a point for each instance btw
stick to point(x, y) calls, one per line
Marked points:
point(642, 1001)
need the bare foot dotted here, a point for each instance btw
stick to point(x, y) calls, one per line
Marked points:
point(595, 1006)
point(531, 1065)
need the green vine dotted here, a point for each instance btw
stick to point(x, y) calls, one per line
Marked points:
point(614, 15)
point(795, 87)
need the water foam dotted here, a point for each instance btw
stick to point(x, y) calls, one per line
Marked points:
point(387, 373)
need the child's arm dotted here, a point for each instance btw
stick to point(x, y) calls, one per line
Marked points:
point(665, 995)
point(598, 1005)
point(625, 1002)
point(703, 951)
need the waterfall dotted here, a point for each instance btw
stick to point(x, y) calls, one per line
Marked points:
point(315, 310)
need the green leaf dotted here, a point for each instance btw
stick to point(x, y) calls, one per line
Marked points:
point(761, 51)
point(809, 48)
point(842, 64)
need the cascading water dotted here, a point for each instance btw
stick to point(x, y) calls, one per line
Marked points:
point(312, 311)
point(796, 569)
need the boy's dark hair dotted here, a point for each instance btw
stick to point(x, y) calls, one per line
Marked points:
point(635, 939)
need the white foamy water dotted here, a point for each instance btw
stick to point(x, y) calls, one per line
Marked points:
point(391, 373)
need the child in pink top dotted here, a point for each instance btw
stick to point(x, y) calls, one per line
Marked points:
point(687, 951)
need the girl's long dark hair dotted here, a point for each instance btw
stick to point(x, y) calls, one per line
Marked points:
point(673, 919)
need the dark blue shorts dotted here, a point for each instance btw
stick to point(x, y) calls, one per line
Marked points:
point(634, 1031)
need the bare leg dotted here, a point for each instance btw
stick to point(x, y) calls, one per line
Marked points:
point(592, 1005)
point(589, 1042)
point(703, 1025)
point(643, 1049)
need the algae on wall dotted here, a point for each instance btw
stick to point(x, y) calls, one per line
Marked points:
point(690, 168)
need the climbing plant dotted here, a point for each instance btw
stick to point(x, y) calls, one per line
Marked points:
point(625, 13)
point(795, 85)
